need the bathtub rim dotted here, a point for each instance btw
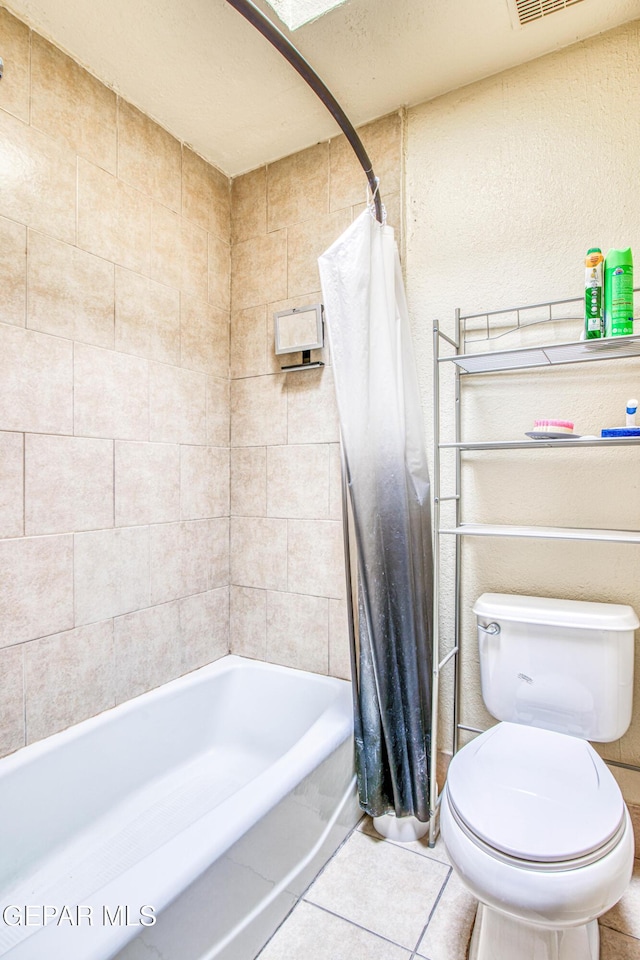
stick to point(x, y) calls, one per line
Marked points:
point(170, 866)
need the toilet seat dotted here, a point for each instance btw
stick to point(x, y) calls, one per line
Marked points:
point(535, 797)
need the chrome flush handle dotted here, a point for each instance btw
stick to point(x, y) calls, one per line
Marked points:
point(493, 629)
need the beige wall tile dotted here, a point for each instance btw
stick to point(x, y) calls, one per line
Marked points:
point(147, 318)
point(259, 270)
point(219, 272)
point(16, 41)
point(38, 187)
point(67, 102)
point(320, 571)
point(249, 205)
point(11, 485)
point(194, 261)
point(204, 336)
point(179, 253)
point(166, 246)
point(114, 219)
point(249, 481)
point(68, 677)
point(36, 574)
point(71, 292)
point(111, 573)
point(298, 187)
point(259, 553)
point(339, 655)
point(204, 482)
point(219, 552)
point(298, 481)
point(205, 195)
point(68, 484)
point(258, 411)
point(218, 411)
point(179, 559)
point(13, 270)
point(383, 141)
point(311, 408)
point(305, 242)
point(298, 631)
point(196, 188)
point(12, 732)
point(111, 394)
point(149, 158)
point(177, 405)
point(147, 646)
point(204, 628)
point(248, 622)
point(249, 333)
point(28, 358)
point(147, 483)
point(220, 219)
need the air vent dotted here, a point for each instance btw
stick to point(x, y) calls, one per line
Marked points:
point(526, 11)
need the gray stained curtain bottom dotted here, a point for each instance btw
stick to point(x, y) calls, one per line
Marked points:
point(389, 496)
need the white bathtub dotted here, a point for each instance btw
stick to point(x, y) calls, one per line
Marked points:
point(208, 805)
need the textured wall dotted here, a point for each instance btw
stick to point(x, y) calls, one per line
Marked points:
point(114, 410)
point(509, 181)
point(287, 568)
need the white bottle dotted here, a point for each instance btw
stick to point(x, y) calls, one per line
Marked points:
point(632, 406)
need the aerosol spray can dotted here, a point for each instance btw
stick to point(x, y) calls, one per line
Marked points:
point(618, 293)
point(593, 298)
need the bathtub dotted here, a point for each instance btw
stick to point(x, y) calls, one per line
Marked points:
point(181, 825)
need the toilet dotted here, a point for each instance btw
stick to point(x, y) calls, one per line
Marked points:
point(533, 821)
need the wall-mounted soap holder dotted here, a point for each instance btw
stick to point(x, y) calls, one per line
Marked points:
point(300, 330)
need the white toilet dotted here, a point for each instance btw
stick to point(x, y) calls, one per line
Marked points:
point(532, 819)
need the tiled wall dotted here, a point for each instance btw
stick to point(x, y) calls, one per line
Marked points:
point(287, 568)
point(114, 405)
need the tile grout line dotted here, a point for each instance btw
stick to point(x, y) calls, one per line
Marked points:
point(415, 954)
point(359, 926)
point(300, 898)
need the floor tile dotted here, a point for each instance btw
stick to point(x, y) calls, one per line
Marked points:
point(422, 847)
point(449, 931)
point(617, 946)
point(381, 887)
point(314, 934)
point(625, 916)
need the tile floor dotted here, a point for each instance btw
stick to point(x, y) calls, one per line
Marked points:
point(379, 900)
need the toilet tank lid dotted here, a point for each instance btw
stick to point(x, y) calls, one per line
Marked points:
point(583, 614)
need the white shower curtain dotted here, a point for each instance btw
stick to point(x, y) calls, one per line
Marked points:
point(388, 485)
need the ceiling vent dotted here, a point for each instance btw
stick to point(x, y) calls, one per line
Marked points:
point(526, 11)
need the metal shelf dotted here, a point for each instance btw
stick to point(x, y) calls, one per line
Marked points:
point(474, 333)
point(553, 354)
point(542, 533)
point(534, 444)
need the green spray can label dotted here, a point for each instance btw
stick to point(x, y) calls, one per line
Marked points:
point(593, 294)
point(618, 293)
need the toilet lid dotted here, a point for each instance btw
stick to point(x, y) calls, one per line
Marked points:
point(535, 794)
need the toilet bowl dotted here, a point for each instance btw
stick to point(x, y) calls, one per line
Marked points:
point(536, 827)
point(531, 816)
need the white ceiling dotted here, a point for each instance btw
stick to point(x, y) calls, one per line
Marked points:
point(206, 75)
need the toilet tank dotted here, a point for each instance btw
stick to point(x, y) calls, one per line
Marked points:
point(564, 665)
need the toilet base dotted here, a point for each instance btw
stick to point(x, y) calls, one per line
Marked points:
point(499, 937)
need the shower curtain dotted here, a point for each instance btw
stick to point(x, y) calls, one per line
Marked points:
point(388, 490)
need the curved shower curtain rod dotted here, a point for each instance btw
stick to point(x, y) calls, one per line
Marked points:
point(284, 46)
